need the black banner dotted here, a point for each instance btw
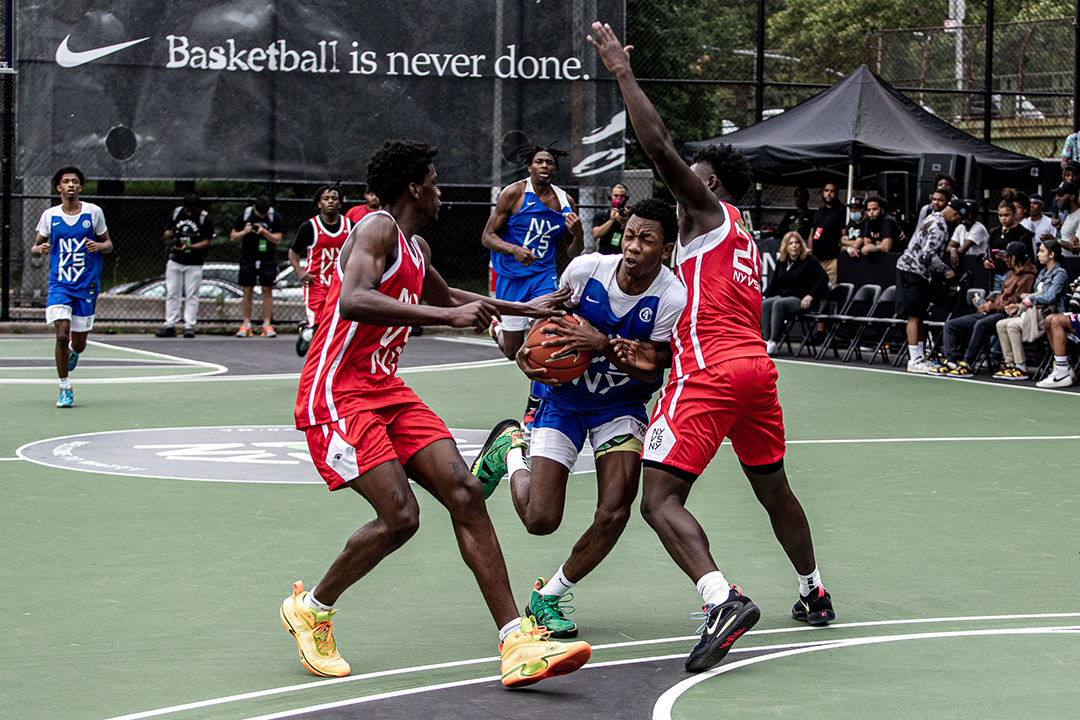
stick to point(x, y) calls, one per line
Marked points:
point(307, 89)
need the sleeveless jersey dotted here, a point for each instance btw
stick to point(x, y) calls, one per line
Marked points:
point(72, 268)
point(536, 227)
point(649, 316)
point(351, 366)
point(322, 253)
point(722, 320)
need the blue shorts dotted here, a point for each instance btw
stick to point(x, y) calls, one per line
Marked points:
point(61, 305)
point(523, 289)
point(559, 433)
point(1074, 319)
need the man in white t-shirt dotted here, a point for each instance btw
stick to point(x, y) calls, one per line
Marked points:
point(1038, 223)
point(970, 236)
point(1067, 200)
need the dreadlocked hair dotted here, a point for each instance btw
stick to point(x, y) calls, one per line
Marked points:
point(729, 165)
point(525, 155)
point(396, 165)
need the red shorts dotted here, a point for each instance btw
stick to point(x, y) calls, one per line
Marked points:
point(735, 399)
point(314, 299)
point(354, 445)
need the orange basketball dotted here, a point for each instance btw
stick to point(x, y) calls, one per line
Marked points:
point(560, 366)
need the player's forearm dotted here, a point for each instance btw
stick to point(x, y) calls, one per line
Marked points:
point(371, 307)
point(642, 375)
point(494, 243)
point(648, 125)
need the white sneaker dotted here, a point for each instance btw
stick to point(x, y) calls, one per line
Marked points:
point(918, 366)
point(1052, 381)
point(771, 347)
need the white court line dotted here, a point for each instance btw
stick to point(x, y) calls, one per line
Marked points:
point(208, 369)
point(462, 663)
point(484, 341)
point(663, 706)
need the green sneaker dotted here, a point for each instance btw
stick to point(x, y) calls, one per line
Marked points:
point(550, 611)
point(490, 464)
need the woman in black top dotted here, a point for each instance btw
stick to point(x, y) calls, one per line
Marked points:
point(797, 282)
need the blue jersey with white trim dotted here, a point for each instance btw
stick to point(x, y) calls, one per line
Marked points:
point(72, 268)
point(536, 227)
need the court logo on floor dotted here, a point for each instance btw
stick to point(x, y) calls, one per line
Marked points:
point(244, 454)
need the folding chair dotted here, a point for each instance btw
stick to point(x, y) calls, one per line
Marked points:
point(839, 297)
point(888, 320)
point(883, 311)
point(862, 304)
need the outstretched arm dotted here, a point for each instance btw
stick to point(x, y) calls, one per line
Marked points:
point(688, 189)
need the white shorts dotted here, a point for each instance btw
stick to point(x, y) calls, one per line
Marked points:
point(514, 323)
point(79, 323)
point(550, 443)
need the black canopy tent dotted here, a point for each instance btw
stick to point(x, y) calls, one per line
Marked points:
point(859, 127)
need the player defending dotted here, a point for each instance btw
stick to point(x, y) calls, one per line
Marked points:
point(318, 241)
point(522, 233)
point(632, 296)
point(74, 235)
point(722, 383)
point(368, 431)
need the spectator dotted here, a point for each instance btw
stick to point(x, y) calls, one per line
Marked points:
point(607, 227)
point(970, 236)
point(1067, 200)
point(1070, 152)
point(1026, 318)
point(941, 182)
point(978, 327)
point(1008, 232)
point(1020, 200)
point(850, 236)
point(371, 204)
point(880, 230)
point(188, 234)
point(797, 220)
point(1057, 214)
point(1059, 328)
point(1038, 223)
point(914, 272)
point(258, 230)
point(825, 230)
point(796, 283)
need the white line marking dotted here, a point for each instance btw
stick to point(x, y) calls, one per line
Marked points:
point(14, 458)
point(207, 369)
point(315, 684)
point(484, 341)
point(663, 706)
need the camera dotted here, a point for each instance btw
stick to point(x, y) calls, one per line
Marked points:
point(619, 204)
point(1074, 302)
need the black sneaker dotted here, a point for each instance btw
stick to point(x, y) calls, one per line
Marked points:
point(189, 332)
point(303, 338)
point(167, 331)
point(815, 608)
point(724, 624)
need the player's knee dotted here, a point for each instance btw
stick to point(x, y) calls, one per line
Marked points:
point(401, 523)
point(467, 497)
point(63, 338)
point(611, 521)
point(78, 343)
point(544, 521)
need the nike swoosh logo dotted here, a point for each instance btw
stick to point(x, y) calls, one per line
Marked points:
point(716, 622)
point(68, 58)
point(589, 299)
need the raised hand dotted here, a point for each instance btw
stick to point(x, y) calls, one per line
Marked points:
point(614, 55)
point(642, 356)
point(547, 305)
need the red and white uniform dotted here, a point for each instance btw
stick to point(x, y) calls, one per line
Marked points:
point(722, 383)
point(356, 411)
point(321, 259)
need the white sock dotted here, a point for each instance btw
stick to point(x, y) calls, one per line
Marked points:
point(915, 352)
point(1061, 366)
point(312, 604)
point(515, 460)
point(65, 383)
point(713, 587)
point(557, 585)
point(809, 582)
point(511, 627)
point(1020, 366)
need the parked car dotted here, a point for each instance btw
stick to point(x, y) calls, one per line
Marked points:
point(219, 280)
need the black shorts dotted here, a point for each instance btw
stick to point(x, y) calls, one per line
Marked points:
point(913, 294)
point(257, 272)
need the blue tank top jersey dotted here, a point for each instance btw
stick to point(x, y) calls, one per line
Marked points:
point(72, 268)
point(536, 227)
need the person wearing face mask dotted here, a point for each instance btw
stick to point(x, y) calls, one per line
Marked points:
point(851, 236)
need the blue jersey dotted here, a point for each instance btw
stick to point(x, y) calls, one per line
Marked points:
point(72, 268)
point(652, 315)
point(536, 227)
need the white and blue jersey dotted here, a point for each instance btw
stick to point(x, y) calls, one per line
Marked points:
point(652, 315)
point(74, 272)
point(537, 227)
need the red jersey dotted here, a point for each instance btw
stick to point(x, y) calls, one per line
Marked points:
point(322, 253)
point(354, 214)
point(352, 366)
point(722, 319)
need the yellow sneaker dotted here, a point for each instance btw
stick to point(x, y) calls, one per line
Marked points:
point(314, 635)
point(528, 656)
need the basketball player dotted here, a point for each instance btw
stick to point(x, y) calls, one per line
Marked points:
point(722, 383)
point(74, 235)
point(631, 295)
point(367, 431)
point(530, 217)
point(318, 241)
point(370, 205)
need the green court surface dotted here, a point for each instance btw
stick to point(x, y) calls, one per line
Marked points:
point(944, 518)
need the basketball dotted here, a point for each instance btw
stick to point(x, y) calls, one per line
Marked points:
point(561, 367)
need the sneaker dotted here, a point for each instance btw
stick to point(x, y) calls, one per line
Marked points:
point(962, 369)
point(549, 611)
point(490, 465)
point(531, 407)
point(189, 332)
point(73, 359)
point(1053, 381)
point(268, 331)
point(918, 366)
point(493, 330)
point(67, 398)
point(527, 656)
point(815, 608)
point(167, 331)
point(303, 338)
point(1011, 372)
point(314, 634)
point(771, 347)
point(245, 331)
point(942, 368)
point(724, 624)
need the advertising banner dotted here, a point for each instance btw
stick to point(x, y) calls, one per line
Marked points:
point(307, 89)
